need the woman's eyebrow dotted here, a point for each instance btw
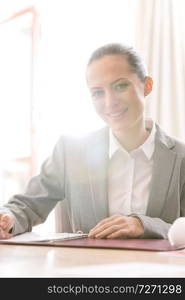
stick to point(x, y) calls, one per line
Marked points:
point(117, 80)
point(95, 88)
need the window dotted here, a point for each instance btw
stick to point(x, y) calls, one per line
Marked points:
point(17, 60)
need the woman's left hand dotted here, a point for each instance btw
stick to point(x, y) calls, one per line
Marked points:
point(117, 226)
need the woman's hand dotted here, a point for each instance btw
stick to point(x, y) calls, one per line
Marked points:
point(6, 223)
point(117, 226)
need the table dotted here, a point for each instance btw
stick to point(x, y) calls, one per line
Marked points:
point(49, 261)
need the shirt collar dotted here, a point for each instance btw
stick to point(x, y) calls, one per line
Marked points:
point(147, 147)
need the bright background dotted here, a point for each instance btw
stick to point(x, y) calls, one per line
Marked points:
point(45, 45)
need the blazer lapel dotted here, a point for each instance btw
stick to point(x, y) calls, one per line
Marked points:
point(164, 162)
point(97, 161)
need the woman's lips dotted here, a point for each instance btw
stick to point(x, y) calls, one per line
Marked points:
point(118, 114)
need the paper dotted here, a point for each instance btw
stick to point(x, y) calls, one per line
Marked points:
point(176, 233)
point(43, 237)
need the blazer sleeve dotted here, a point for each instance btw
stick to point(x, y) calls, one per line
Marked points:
point(154, 227)
point(182, 195)
point(41, 195)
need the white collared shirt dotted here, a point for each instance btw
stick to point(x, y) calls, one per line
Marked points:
point(130, 175)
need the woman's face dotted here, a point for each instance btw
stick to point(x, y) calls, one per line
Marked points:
point(118, 94)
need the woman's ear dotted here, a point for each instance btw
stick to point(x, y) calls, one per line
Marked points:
point(148, 85)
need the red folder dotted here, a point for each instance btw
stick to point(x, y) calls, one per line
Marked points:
point(132, 244)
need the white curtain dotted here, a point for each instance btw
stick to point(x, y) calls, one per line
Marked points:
point(160, 38)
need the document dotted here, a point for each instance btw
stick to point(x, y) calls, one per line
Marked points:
point(43, 237)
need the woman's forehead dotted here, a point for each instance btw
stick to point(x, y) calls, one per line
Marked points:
point(108, 68)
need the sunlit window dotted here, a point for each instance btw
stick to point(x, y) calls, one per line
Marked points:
point(16, 93)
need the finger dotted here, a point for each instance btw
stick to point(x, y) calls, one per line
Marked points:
point(118, 234)
point(114, 220)
point(4, 234)
point(104, 221)
point(117, 218)
point(6, 222)
point(1, 215)
point(98, 229)
point(133, 228)
point(108, 231)
point(120, 227)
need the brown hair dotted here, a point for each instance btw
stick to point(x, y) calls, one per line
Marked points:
point(134, 60)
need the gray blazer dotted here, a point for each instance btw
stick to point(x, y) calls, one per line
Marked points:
point(77, 172)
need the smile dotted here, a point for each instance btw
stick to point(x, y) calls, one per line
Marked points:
point(118, 114)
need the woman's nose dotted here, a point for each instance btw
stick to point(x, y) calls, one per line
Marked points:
point(110, 100)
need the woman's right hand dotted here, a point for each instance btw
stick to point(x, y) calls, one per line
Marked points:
point(6, 223)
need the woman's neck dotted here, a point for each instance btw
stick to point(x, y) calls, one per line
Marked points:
point(133, 137)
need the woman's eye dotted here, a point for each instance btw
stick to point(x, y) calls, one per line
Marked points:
point(97, 94)
point(121, 86)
